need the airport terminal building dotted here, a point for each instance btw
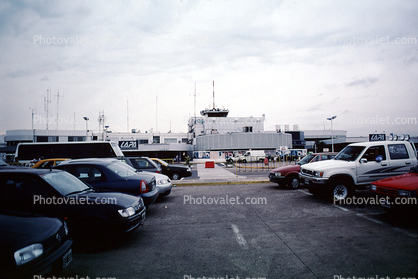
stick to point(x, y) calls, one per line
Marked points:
point(211, 132)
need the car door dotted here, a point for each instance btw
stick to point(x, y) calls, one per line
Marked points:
point(400, 159)
point(372, 165)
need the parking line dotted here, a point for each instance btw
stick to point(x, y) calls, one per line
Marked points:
point(238, 236)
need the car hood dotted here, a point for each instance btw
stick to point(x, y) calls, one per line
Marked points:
point(18, 231)
point(408, 181)
point(116, 199)
point(328, 164)
point(286, 169)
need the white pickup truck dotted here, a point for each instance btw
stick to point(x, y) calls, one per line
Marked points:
point(357, 166)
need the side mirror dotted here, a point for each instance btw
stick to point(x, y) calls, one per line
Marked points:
point(363, 160)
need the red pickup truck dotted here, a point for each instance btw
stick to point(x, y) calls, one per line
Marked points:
point(398, 192)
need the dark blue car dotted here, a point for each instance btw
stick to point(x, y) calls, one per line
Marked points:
point(113, 175)
point(32, 245)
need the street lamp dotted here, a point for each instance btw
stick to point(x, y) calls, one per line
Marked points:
point(87, 130)
point(332, 131)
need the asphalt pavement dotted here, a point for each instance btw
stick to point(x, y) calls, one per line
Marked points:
point(221, 175)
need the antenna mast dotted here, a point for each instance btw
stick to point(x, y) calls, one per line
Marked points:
point(47, 100)
point(213, 94)
point(127, 115)
point(58, 105)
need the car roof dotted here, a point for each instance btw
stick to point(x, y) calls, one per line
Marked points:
point(370, 143)
point(97, 161)
point(27, 170)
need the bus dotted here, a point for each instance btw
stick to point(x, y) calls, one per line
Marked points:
point(26, 152)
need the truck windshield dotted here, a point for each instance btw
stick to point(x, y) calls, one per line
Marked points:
point(349, 153)
point(306, 159)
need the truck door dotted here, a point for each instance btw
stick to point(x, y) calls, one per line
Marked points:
point(373, 165)
point(400, 160)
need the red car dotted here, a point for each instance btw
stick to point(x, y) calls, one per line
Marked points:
point(289, 175)
point(398, 192)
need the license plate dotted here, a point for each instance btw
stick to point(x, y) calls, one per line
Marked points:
point(67, 258)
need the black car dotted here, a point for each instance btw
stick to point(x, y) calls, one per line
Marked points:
point(56, 193)
point(32, 245)
point(142, 164)
point(173, 171)
point(113, 175)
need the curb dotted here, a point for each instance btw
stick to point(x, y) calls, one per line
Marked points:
point(215, 183)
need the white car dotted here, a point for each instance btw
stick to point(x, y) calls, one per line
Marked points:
point(163, 183)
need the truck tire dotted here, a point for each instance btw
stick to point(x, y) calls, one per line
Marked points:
point(340, 190)
point(292, 181)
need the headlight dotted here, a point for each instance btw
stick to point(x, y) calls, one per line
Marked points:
point(406, 193)
point(28, 253)
point(66, 228)
point(127, 212)
point(162, 181)
point(277, 174)
point(318, 173)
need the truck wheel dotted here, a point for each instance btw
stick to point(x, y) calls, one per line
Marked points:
point(340, 190)
point(292, 181)
point(244, 161)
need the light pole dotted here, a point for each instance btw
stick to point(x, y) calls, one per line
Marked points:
point(87, 129)
point(332, 132)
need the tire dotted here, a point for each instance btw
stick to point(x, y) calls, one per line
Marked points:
point(292, 181)
point(340, 190)
point(175, 176)
point(244, 161)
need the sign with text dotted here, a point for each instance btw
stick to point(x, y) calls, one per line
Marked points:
point(377, 137)
point(128, 144)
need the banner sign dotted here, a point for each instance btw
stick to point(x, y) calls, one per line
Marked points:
point(128, 144)
point(377, 137)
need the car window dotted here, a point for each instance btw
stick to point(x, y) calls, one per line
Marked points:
point(121, 169)
point(89, 174)
point(64, 182)
point(21, 187)
point(398, 151)
point(375, 153)
point(142, 163)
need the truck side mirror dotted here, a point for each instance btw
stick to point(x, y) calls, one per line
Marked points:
point(363, 160)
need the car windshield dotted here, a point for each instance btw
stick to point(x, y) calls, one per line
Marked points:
point(65, 183)
point(349, 153)
point(306, 159)
point(122, 169)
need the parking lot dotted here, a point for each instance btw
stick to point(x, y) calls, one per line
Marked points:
point(254, 231)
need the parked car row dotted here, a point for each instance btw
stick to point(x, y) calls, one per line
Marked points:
point(388, 168)
point(93, 196)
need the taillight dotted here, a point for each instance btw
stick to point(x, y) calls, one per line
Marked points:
point(144, 187)
point(158, 172)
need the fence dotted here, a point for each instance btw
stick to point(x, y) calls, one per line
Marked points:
point(263, 166)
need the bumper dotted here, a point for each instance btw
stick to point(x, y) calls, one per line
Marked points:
point(310, 180)
point(150, 197)
point(277, 179)
point(125, 225)
point(164, 189)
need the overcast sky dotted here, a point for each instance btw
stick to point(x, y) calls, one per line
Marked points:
point(297, 62)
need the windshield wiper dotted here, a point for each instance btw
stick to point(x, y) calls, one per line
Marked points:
point(76, 192)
